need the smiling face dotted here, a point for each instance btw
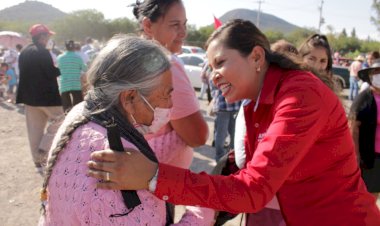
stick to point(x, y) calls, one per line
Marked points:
point(317, 59)
point(235, 75)
point(170, 29)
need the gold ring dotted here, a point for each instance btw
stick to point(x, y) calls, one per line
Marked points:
point(107, 176)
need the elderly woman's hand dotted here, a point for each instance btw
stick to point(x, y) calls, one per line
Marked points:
point(129, 170)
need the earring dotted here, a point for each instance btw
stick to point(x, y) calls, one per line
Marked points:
point(258, 69)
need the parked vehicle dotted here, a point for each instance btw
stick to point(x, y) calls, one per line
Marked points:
point(193, 67)
point(193, 49)
point(342, 76)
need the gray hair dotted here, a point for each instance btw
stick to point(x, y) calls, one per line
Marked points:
point(125, 63)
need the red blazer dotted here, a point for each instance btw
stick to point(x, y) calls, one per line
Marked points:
point(300, 149)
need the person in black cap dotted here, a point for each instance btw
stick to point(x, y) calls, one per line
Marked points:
point(365, 128)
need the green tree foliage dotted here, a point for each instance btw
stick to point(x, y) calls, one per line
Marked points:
point(299, 35)
point(343, 33)
point(376, 19)
point(198, 37)
point(369, 45)
point(122, 25)
point(353, 33)
point(81, 24)
point(20, 27)
point(274, 36)
point(330, 29)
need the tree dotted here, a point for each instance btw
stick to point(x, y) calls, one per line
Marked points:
point(193, 36)
point(198, 37)
point(274, 36)
point(299, 35)
point(330, 29)
point(376, 19)
point(353, 33)
point(81, 24)
point(121, 25)
point(368, 46)
point(343, 33)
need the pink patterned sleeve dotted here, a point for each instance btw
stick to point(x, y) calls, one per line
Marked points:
point(73, 198)
point(197, 216)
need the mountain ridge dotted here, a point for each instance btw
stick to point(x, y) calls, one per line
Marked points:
point(39, 12)
point(31, 11)
point(267, 21)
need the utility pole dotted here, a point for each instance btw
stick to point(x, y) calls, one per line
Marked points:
point(258, 14)
point(321, 19)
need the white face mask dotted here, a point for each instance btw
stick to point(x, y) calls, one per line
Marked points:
point(376, 80)
point(143, 129)
point(161, 116)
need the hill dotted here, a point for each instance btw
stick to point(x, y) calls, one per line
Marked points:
point(32, 12)
point(39, 12)
point(267, 21)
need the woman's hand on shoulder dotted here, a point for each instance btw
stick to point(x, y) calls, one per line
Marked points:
point(129, 170)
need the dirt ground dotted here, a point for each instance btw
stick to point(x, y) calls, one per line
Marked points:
point(20, 184)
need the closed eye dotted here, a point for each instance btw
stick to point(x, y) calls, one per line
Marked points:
point(219, 63)
point(311, 58)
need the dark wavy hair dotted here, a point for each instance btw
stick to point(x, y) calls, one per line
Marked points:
point(243, 36)
point(317, 41)
point(152, 9)
point(70, 45)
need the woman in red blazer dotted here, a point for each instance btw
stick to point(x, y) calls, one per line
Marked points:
point(298, 142)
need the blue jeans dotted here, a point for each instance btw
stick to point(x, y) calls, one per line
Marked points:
point(224, 126)
point(354, 87)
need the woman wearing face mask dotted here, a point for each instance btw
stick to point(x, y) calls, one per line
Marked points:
point(165, 22)
point(173, 134)
point(365, 128)
point(130, 81)
point(299, 146)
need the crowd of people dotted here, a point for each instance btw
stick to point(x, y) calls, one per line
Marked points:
point(279, 119)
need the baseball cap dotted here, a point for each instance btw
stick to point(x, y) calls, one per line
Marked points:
point(39, 29)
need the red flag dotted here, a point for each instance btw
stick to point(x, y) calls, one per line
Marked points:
point(217, 23)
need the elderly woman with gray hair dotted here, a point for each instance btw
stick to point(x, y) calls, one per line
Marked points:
point(130, 82)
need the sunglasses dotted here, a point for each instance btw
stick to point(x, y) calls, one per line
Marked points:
point(319, 39)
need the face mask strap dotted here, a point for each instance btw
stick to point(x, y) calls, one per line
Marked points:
point(145, 100)
point(134, 120)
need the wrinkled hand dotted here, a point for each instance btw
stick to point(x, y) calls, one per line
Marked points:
point(129, 170)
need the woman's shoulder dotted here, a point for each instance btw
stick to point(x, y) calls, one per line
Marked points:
point(363, 100)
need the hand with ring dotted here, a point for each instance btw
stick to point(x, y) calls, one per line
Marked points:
point(107, 177)
point(130, 170)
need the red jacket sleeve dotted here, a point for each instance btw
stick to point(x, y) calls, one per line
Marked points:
point(299, 118)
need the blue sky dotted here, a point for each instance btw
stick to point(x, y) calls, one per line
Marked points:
point(339, 14)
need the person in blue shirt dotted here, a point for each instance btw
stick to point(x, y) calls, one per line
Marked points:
point(11, 80)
